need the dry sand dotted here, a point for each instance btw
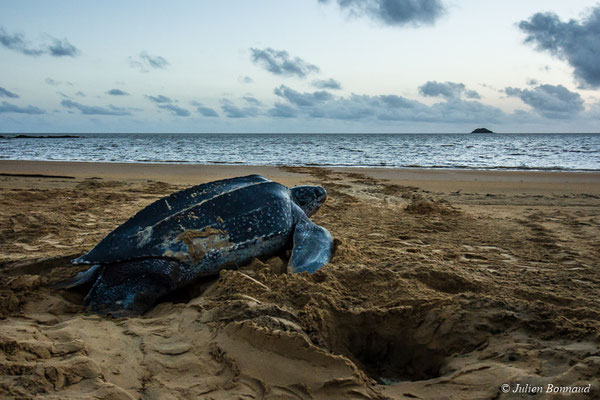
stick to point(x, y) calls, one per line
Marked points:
point(444, 285)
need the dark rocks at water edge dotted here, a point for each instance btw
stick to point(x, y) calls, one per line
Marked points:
point(41, 137)
point(482, 130)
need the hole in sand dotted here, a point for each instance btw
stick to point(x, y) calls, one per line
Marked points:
point(401, 344)
point(392, 359)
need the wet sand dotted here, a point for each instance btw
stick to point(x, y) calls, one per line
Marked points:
point(445, 284)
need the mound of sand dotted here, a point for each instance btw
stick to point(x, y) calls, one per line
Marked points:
point(429, 295)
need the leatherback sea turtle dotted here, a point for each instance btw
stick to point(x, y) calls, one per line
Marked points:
point(198, 232)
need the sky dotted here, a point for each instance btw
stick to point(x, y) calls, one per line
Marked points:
point(299, 66)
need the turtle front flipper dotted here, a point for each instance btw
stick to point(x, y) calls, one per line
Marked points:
point(131, 288)
point(313, 247)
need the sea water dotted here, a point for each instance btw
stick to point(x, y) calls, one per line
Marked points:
point(568, 152)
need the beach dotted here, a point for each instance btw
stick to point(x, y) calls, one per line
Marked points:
point(444, 284)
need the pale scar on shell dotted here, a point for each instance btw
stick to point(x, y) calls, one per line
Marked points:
point(200, 242)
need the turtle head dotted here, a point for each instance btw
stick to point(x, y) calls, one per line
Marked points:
point(309, 198)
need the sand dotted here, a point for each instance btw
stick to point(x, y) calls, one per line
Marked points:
point(444, 285)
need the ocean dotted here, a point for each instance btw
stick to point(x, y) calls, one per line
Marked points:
point(548, 152)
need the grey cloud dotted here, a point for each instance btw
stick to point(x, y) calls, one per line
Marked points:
point(394, 12)
point(175, 110)
point(11, 108)
point(154, 61)
point(394, 101)
point(472, 94)
point(95, 110)
point(8, 93)
point(232, 111)
point(282, 111)
point(384, 107)
point(465, 111)
point(355, 107)
point(206, 111)
point(117, 92)
point(449, 111)
point(302, 99)
point(51, 82)
point(56, 47)
point(252, 100)
point(144, 62)
point(80, 94)
point(326, 84)
point(577, 42)
point(279, 62)
point(159, 99)
point(245, 79)
point(62, 48)
point(556, 102)
point(18, 43)
point(447, 90)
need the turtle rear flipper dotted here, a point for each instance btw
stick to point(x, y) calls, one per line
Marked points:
point(313, 247)
point(81, 278)
point(131, 288)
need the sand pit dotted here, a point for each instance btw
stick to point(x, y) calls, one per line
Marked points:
point(440, 290)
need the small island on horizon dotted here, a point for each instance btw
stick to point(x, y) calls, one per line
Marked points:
point(482, 130)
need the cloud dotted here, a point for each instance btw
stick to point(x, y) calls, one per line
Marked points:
point(355, 107)
point(159, 99)
point(52, 82)
point(472, 94)
point(393, 101)
point(144, 62)
point(245, 79)
point(56, 47)
point(95, 110)
point(555, 102)
point(117, 92)
point(80, 94)
point(447, 90)
point(282, 111)
point(279, 62)
point(382, 107)
point(62, 48)
point(326, 84)
point(165, 103)
point(8, 93)
point(252, 100)
point(577, 42)
point(18, 43)
point(232, 111)
point(206, 111)
point(11, 108)
point(302, 99)
point(394, 12)
point(175, 110)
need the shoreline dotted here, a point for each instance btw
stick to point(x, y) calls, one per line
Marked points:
point(330, 166)
point(436, 180)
